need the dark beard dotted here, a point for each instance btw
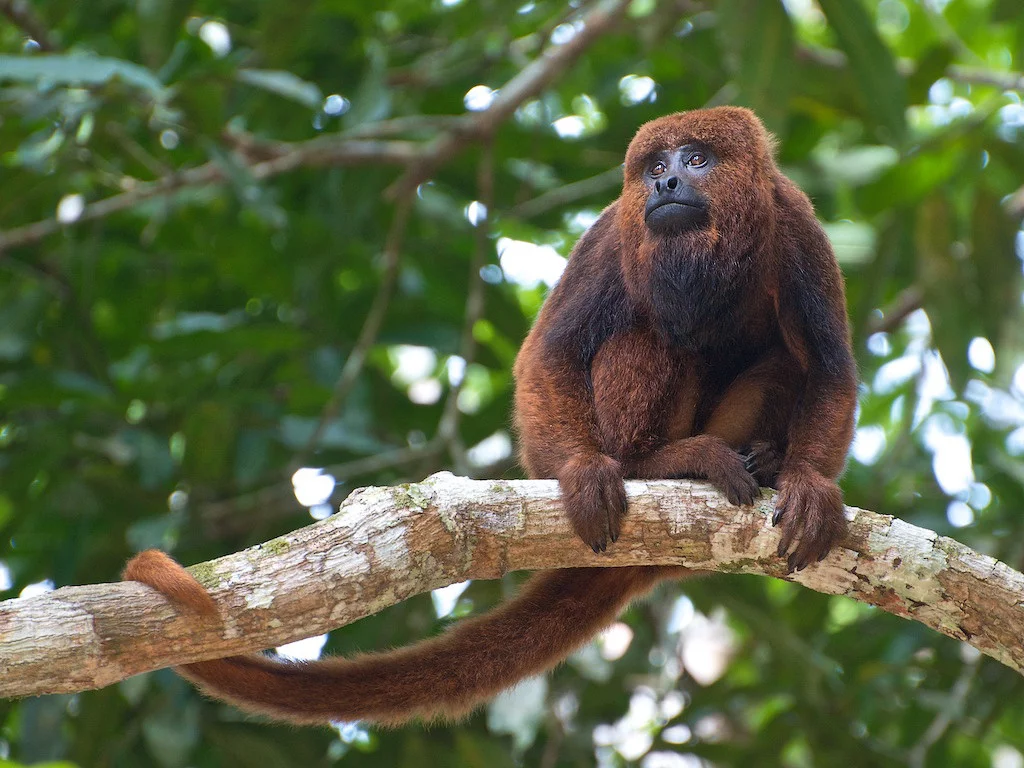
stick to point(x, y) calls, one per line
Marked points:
point(694, 296)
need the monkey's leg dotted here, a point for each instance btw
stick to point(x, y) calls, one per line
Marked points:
point(741, 444)
point(754, 412)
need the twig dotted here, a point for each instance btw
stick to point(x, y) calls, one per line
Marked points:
point(402, 126)
point(387, 544)
point(953, 708)
point(569, 193)
point(447, 427)
point(969, 75)
point(274, 502)
point(23, 15)
point(532, 80)
point(136, 150)
point(371, 326)
point(906, 302)
point(321, 152)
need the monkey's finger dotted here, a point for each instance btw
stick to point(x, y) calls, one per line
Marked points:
point(615, 505)
point(820, 536)
point(740, 488)
point(793, 516)
point(788, 535)
point(806, 552)
point(781, 505)
point(753, 489)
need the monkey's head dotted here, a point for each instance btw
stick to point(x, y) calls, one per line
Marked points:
point(698, 181)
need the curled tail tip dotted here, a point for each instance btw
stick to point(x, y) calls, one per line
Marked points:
point(161, 572)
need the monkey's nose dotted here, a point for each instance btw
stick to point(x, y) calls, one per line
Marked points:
point(670, 184)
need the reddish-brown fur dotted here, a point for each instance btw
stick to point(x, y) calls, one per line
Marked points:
point(720, 353)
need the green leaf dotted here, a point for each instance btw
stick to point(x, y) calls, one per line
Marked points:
point(853, 242)
point(927, 69)
point(758, 35)
point(285, 84)
point(910, 181)
point(79, 69)
point(998, 267)
point(883, 88)
point(948, 287)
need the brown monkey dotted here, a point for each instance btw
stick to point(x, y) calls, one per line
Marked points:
point(699, 330)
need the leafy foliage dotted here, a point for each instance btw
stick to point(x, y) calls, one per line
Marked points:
point(204, 206)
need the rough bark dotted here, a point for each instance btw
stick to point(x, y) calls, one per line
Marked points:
point(387, 544)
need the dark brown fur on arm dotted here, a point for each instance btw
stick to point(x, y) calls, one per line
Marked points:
point(715, 349)
point(555, 414)
point(812, 315)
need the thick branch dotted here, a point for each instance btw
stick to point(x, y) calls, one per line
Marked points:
point(387, 544)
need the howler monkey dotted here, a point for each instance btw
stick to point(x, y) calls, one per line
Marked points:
point(700, 331)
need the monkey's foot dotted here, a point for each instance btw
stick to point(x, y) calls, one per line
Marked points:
point(594, 497)
point(810, 513)
point(729, 474)
point(763, 460)
point(703, 456)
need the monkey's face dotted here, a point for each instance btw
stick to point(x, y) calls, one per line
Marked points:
point(675, 204)
point(697, 184)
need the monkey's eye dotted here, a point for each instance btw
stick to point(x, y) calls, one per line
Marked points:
point(658, 168)
point(697, 159)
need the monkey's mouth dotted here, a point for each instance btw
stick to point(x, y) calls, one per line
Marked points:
point(673, 216)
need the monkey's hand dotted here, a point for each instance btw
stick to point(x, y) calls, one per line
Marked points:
point(594, 497)
point(763, 460)
point(809, 512)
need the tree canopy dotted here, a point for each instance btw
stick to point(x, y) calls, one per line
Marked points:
point(255, 255)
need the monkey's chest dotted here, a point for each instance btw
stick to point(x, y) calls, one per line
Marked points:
point(648, 391)
point(642, 389)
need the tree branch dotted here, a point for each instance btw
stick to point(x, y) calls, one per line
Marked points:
point(569, 193)
point(968, 75)
point(22, 14)
point(387, 544)
point(368, 333)
point(530, 81)
point(421, 160)
point(321, 152)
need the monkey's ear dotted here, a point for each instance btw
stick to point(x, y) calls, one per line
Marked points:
point(810, 302)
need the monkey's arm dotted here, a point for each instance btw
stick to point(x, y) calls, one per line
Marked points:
point(555, 414)
point(812, 315)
